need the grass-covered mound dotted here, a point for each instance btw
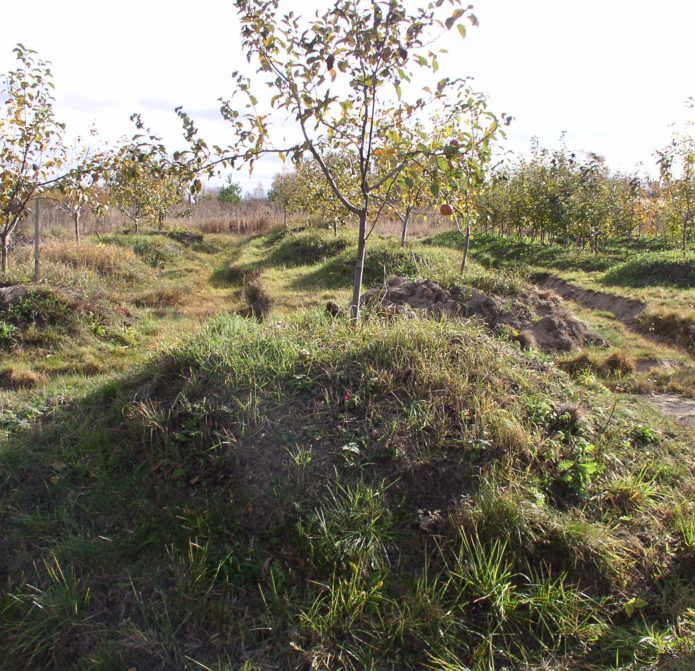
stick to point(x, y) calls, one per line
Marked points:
point(670, 269)
point(306, 248)
point(503, 252)
point(409, 494)
point(154, 250)
point(42, 316)
point(384, 258)
point(507, 252)
point(677, 327)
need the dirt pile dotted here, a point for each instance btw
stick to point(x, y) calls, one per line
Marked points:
point(536, 319)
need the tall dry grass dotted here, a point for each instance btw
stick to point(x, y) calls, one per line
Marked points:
point(208, 215)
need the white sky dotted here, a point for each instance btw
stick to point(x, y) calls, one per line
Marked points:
point(613, 74)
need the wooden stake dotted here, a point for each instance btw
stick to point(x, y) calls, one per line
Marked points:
point(37, 233)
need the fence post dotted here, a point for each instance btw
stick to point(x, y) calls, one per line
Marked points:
point(37, 233)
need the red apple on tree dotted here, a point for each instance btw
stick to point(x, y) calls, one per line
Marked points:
point(446, 210)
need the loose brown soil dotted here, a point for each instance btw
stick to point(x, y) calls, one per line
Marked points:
point(535, 320)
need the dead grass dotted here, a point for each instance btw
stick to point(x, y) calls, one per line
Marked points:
point(161, 297)
point(106, 260)
point(14, 376)
point(259, 301)
point(619, 363)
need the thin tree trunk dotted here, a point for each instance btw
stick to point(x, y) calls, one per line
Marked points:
point(5, 251)
point(37, 241)
point(404, 230)
point(359, 268)
point(76, 219)
point(466, 247)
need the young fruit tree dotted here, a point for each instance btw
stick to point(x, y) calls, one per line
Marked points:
point(81, 189)
point(282, 193)
point(144, 186)
point(349, 78)
point(314, 196)
point(31, 149)
point(677, 172)
point(455, 179)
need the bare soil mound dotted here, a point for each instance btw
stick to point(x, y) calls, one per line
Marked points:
point(536, 319)
point(625, 309)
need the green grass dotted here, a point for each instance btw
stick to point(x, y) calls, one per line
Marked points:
point(300, 493)
point(656, 269)
point(256, 495)
point(508, 252)
point(306, 249)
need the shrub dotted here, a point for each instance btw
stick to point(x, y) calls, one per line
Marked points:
point(7, 332)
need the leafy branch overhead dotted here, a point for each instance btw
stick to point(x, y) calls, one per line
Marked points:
point(31, 149)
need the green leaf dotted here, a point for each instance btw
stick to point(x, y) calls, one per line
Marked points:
point(461, 29)
point(634, 604)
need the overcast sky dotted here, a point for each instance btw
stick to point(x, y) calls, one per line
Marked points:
point(612, 74)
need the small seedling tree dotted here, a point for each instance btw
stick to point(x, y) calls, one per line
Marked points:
point(347, 78)
point(31, 149)
point(231, 192)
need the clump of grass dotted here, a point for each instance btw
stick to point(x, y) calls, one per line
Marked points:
point(615, 363)
point(677, 327)
point(619, 363)
point(13, 376)
point(258, 299)
point(672, 269)
point(581, 362)
point(161, 297)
